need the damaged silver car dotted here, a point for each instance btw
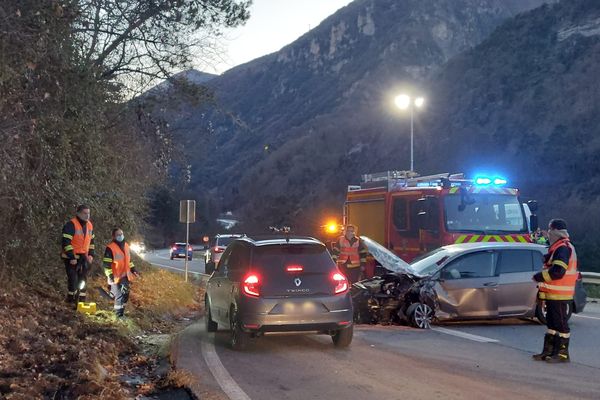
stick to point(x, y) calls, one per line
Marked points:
point(454, 282)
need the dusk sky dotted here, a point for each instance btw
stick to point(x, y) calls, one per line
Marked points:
point(272, 25)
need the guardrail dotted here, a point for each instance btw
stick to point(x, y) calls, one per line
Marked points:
point(591, 277)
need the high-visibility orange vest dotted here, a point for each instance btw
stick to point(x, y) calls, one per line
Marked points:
point(563, 288)
point(348, 252)
point(80, 242)
point(121, 262)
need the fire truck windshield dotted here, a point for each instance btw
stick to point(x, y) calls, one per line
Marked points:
point(484, 213)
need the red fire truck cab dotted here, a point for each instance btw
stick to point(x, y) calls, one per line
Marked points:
point(413, 214)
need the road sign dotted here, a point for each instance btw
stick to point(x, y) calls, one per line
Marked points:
point(187, 215)
point(187, 211)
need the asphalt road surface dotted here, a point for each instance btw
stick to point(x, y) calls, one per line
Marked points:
point(452, 361)
point(160, 258)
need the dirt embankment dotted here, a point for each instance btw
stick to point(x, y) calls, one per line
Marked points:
point(48, 351)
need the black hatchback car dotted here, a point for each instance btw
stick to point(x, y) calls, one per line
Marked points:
point(275, 285)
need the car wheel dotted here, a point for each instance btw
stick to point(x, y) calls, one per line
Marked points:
point(343, 337)
point(420, 315)
point(540, 311)
point(211, 326)
point(238, 339)
point(171, 258)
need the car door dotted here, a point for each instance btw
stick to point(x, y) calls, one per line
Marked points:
point(217, 290)
point(469, 286)
point(237, 263)
point(516, 290)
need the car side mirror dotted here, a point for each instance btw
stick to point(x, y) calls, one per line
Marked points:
point(209, 268)
point(533, 205)
point(533, 222)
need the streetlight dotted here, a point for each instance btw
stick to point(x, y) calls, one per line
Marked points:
point(403, 102)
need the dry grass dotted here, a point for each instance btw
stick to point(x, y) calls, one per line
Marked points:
point(47, 350)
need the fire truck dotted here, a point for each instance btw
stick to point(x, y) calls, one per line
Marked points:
point(413, 214)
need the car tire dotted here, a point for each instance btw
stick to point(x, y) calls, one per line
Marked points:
point(211, 326)
point(420, 315)
point(343, 337)
point(238, 339)
point(540, 311)
point(171, 258)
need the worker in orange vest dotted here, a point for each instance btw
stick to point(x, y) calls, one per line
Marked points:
point(119, 270)
point(78, 252)
point(557, 288)
point(350, 254)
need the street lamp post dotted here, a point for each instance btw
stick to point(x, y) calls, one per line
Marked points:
point(403, 102)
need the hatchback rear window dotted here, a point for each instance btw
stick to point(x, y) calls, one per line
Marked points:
point(312, 258)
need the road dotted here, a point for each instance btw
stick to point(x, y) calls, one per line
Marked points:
point(160, 258)
point(452, 361)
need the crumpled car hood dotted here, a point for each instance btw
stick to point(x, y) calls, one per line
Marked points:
point(386, 258)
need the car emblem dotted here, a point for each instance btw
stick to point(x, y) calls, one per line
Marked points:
point(297, 281)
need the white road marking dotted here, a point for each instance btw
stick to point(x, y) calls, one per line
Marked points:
point(231, 389)
point(475, 338)
point(586, 316)
point(178, 269)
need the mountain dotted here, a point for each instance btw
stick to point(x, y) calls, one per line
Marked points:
point(276, 114)
point(526, 99)
point(506, 92)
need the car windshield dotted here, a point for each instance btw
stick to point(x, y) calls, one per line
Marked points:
point(428, 263)
point(484, 213)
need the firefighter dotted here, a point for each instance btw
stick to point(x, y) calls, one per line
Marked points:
point(557, 288)
point(78, 252)
point(119, 270)
point(350, 254)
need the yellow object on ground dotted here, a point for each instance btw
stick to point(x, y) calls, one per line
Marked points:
point(86, 308)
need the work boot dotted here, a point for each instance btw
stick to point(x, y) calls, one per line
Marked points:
point(561, 351)
point(548, 348)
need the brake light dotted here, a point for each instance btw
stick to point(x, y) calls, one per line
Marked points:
point(294, 268)
point(189, 248)
point(251, 285)
point(579, 276)
point(174, 248)
point(341, 283)
point(217, 249)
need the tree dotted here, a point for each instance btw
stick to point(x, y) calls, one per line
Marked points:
point(141, 41)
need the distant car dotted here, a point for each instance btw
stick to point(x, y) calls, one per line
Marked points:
point(214, 253)
point(178, 251)
point(457, 282)
point(274, 285)
point(138, 247)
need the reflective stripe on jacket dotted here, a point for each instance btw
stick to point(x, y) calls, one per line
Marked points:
point(121, 262)
point(81, 242)
point(563, 288)
point(349, 252)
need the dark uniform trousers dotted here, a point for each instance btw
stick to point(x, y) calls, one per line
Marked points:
point(75, 275)
point(556, 315)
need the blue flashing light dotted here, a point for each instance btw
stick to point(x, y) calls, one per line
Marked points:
point(483, 181)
